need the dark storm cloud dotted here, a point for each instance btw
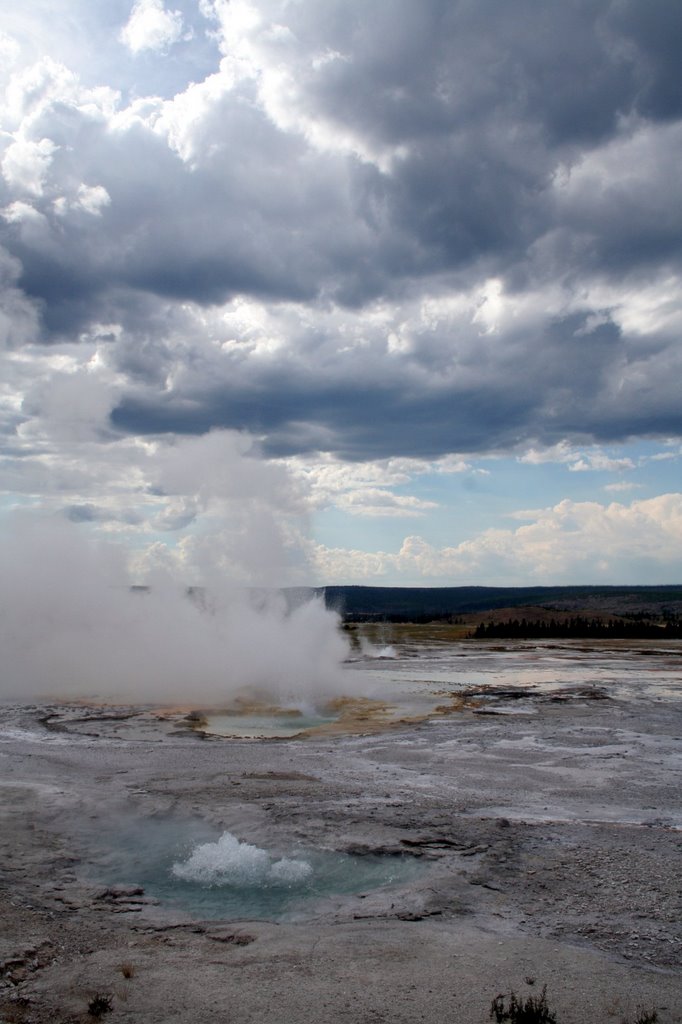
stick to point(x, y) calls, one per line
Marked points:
point(440, 400)
point(372, 423)
point(261, 218)
point(377, 153)
point(653, 30)
point(420, 70)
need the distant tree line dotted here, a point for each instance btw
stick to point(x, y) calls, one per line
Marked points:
point(665, 615)
point(579, 626)
point(411, 617)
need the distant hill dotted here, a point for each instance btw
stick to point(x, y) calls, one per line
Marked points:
point(420, 604)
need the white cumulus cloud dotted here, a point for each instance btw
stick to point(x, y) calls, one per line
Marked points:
point(566, 543)
point(25, 164)
point(151, 27)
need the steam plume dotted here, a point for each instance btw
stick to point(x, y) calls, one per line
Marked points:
point(71, 625)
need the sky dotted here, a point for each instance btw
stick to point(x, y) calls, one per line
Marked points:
point(337, 291)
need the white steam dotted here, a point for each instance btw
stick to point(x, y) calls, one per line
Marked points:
point(370, 650)
point(70, 625)
point(229, 862)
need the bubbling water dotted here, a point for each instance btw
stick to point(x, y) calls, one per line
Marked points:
point(186, 868)
point(230, 862)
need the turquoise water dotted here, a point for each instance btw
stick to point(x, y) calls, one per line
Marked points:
point(215, 876)
point(264, 726)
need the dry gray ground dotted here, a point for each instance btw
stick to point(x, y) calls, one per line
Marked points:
point(551, 842)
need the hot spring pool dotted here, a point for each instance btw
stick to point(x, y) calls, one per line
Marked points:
point(213, 876)
point(265, 726)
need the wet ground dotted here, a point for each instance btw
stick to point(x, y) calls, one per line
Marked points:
point(534, 789)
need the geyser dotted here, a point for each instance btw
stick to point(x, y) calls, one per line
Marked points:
point(70, 625)
point(239, 865)
point(225, 878)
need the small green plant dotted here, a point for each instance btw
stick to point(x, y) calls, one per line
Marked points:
point(532, 1010)
point(99, 1005)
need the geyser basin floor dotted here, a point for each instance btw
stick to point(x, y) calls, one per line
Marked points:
point(553, 842)
point(221, 878)
point(429, 680)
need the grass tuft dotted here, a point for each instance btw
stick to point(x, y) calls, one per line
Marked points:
point(99, 1005)
point(532, 1010)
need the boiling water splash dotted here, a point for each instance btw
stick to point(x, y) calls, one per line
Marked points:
point(369, 650)
point(229, 862)
point(225, 879)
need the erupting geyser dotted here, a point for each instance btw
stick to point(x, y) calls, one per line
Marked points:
point(229, 862)
point(187, 869)
point(70, 625)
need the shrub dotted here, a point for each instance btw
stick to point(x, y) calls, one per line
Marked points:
point(99, 1005)
point(532, 1010)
